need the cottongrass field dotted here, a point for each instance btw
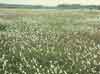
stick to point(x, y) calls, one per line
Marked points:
point(50, 42)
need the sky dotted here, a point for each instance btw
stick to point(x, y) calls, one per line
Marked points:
point(51, 2)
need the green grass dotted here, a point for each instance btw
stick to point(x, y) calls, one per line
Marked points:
point(10, 10)
point(50, 43)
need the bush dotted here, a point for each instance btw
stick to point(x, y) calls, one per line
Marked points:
point(3, 27)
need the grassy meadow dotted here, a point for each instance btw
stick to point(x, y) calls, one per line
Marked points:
point(49, 42)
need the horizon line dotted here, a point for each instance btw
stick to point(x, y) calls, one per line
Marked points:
point(48, 5)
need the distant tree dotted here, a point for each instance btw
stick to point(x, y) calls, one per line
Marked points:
point(98, 7)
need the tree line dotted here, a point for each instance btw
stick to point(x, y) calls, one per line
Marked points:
point(60, 6)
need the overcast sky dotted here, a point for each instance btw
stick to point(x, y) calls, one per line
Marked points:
point(51, 2)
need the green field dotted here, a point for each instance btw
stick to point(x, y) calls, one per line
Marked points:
point(49, 42)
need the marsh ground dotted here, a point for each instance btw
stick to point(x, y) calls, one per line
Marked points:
point(49, 42)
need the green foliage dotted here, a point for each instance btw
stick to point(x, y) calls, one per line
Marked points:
point(3, 27)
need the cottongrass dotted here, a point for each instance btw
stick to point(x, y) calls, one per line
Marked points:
point(48, 53)
point(54, 43)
